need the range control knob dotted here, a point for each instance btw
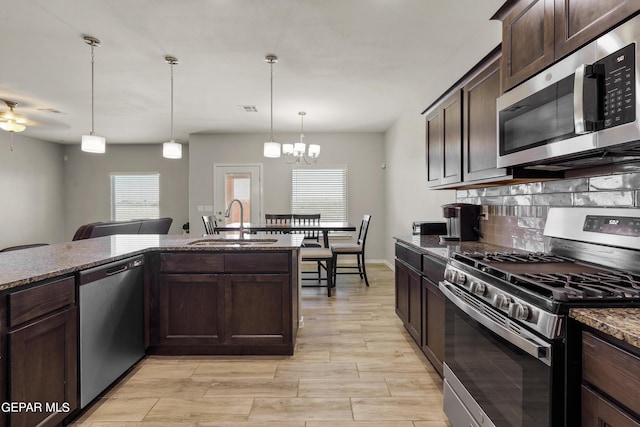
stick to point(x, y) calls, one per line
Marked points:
point(450, 275)
point(501, 301)
point(519, 311)
point(478, 288)
point(461, 278)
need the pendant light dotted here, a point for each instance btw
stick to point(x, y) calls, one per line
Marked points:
point(92, 143)
point(271, 148)
point(171, 149)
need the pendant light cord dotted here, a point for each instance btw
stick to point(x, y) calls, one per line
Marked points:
point(171, 102)
point(92, 66)
point(271, 66)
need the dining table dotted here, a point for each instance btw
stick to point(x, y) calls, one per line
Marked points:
point(325, 227)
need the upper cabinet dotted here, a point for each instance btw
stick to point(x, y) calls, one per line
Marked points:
point(536, 33)
point(461, 129)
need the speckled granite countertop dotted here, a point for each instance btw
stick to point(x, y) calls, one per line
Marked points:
point(431, 245)
point(621, 323)
point(26, 266)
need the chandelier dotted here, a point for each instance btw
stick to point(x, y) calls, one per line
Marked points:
point(297, 152)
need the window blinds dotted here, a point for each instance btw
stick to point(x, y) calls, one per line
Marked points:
point(321, 191)
point(135, 196)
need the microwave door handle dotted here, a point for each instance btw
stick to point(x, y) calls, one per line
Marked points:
point(579, 121)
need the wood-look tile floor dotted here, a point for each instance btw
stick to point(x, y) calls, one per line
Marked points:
point(354, 366)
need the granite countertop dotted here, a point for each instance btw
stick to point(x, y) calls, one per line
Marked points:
point(31, 265)
point(431, 245)
point(621, 323)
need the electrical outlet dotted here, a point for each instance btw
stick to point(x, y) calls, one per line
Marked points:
point(485, 213)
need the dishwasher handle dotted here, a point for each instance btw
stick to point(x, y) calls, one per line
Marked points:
point(108, 270)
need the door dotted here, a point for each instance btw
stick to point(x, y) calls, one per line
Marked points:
point(237, 181)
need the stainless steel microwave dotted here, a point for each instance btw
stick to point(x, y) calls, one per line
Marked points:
point(580, 112)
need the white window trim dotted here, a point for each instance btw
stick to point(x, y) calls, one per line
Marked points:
point(113, 209)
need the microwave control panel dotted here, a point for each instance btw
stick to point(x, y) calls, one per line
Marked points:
point(619, 101)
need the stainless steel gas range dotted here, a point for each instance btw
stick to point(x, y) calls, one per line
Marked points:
point(507, 357)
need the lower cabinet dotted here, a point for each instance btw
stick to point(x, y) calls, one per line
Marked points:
point(610, 394)
point(433, 323)
point(43, 353)
point(419, 302)
point(216, 309)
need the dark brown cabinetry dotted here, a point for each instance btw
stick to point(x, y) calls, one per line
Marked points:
point(461, 131)
point(225, 303)
point(536, 33)
point(419, 302)
point(43, 352)
point(480, 129)
point(444, 141)
point(433, 323)
point(610, 394)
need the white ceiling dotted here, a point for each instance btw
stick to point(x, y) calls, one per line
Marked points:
point(352, 65)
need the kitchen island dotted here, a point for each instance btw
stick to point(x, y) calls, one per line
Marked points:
point(208, 295)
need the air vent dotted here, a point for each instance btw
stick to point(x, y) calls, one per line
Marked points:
point(247, 108)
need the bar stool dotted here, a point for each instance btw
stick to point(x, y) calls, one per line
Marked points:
point(356, 249)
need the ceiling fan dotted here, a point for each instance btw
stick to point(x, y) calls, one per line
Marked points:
point(12, 121)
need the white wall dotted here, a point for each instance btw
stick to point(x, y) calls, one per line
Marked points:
point(88, 189)
point(32, 191)
point(362, 153)
point(407, 197)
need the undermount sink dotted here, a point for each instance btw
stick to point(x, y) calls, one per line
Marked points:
point(236, 241)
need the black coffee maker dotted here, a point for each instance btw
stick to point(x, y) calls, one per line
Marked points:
point(463, 221)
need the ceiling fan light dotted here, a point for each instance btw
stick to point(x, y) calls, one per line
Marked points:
point(12, 126)
point(172, 150)
point(93, 144)
point(272, 149)
point(314, 150)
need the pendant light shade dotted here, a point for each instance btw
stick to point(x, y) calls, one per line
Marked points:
point(92, 143)
point(171, 149)
point(271, 148)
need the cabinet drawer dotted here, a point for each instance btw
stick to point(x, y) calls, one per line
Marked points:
point(612, 370)
point(32, 303)
point(192, 262)
point(409, 256)
point(433, 268)
point(257, 262)
point(598, 411)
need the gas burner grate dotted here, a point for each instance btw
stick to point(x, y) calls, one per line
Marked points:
point(599, 285)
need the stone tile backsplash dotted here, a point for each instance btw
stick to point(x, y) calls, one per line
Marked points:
point(517, 213)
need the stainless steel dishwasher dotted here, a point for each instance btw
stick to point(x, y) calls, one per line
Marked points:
point(111, 324)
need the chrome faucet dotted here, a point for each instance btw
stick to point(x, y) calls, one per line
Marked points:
point(228, 211)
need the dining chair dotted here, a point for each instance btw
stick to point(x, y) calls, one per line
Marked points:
point(356, 249)
point(210, 224)
point(277, 219)
point(311, 237)
point(324, 258)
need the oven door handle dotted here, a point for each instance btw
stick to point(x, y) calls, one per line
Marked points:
point(524, 340)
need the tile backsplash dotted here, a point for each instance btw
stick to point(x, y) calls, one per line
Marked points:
point(517, 213)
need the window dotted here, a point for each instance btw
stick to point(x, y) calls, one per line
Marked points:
point(320, 190)
point(135, 196)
